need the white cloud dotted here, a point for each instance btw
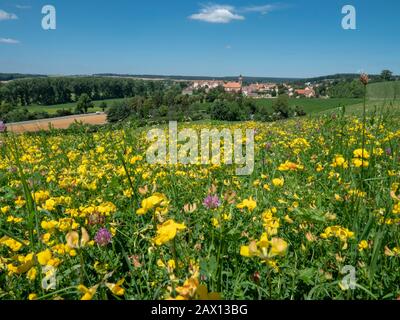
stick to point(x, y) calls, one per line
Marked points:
point(8, 41)
point(7, 16)
point(19, 6)
point(261, 9)
point(228, 46)
point(217, 14)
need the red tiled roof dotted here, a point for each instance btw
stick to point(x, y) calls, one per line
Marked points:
point(233, 85)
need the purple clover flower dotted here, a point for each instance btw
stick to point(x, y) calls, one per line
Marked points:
point(211, 202)
point(103, 237)
point(388, 151)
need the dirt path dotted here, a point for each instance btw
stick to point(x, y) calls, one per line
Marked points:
point(57, 123)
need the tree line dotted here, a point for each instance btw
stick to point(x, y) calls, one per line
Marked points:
point(59, 90)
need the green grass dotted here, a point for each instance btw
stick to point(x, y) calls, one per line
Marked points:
point(372, 106)
point(384, 90)
point(312, 105)
point(53, 109)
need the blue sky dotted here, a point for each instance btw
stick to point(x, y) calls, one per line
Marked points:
point(293, 38)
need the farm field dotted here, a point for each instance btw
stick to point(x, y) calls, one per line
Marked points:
point(56, 123)
point(89, 215)
point(53, 109)
point(310, 105)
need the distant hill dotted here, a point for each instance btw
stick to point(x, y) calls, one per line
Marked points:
point(338, 77)
point(193, 78)
point(14, 76)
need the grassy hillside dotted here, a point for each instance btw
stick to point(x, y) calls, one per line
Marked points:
point(313, 105)
point(384, 90)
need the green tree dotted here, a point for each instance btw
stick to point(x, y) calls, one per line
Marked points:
point(281, 105)
point(103, 106)
point(119, 111)
point(84, 103)
point(228, 111)
point(387, 75)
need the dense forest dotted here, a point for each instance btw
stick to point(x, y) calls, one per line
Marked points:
point(50, 91)
point(14, 76)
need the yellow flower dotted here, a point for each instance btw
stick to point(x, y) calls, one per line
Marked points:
point(340, 161)
point(50, 205)
point(20, 202)
point(87, 293)
point(361, 153)
point(134, 159)
point(288, 219)
point(72, 238)
point(32, 296)
point(271, 223)
point(362, 245)
point(278, 247)
point(189, 288)
point(278, 182)
point(44, 257)
point(339, 232)
point(5, 209)
point(156, 200)
point(11, 243)
point(160, 263)
point(290, 166)
point(250, 204)
point(171, 264)
point(31, 275)
point(265, 248)
point(360, 163)
point(215, 222)
point(116, 287)
point(203, 294)
point(167, 231)
point(49, 225)
point(100, 149)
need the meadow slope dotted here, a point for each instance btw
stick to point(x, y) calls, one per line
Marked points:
point(87, 210)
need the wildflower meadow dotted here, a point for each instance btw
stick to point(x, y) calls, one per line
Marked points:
point(83, 215)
